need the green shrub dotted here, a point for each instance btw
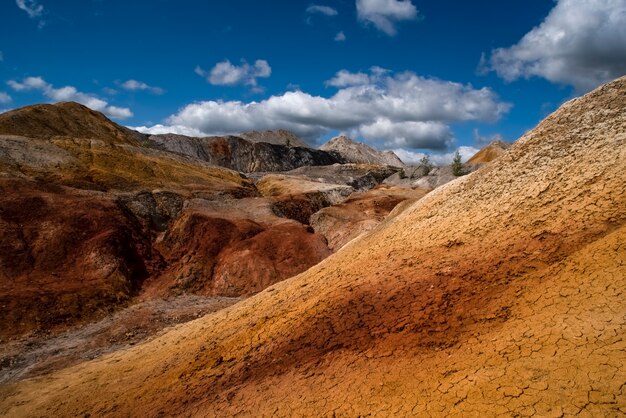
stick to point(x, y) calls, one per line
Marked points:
point(401, 173)
point(457, 166)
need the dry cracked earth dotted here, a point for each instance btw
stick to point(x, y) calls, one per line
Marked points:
point(498, 294)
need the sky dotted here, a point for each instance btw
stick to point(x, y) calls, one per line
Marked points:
point(415, 76)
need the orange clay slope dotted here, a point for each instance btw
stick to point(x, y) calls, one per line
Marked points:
point(499, 293)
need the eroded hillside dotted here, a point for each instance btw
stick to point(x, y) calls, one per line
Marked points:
point(498, 293)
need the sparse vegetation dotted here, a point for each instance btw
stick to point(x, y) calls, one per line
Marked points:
point(402, 174)
point(288, 142)
point(425, 165)
point(457, 165)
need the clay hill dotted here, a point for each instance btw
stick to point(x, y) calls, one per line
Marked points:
point(356, 152)
point(490, 152)
point(500, 293)
point(277, 137)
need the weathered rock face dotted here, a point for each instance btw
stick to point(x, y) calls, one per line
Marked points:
point(65, 256)
point(360, 213)
point(277, 137)
point(245, 156)
point(232, 256)
point(490, 152)
point(356, 152)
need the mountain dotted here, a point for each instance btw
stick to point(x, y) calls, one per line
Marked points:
point(498, 293)
point(490, 152)
point(243, 155)
point(356, 152)
point(277, 137)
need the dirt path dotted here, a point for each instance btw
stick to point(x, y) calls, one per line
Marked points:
point(39, 354)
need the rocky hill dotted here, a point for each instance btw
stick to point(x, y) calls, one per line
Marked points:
point(356, 152)
point(490, 152)
point(277, 137)
point(243, 155)
point(65, 119)
point(500, 293)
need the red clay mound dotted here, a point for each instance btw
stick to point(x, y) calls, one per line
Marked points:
point(233, 257)
point(64, 256)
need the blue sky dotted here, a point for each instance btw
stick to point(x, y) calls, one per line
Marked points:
point(414, 76)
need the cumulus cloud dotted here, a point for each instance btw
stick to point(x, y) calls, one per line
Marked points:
point(4, 97)
point(340, 37)
point(226, 73)
point(134, 85)
point(384, 14)
point(482, 140)
point(31, 7)
point(394, 110)
point(580, 43)
point(325, 10)
point(428, 135)
point(345, 78)
point(69, 93)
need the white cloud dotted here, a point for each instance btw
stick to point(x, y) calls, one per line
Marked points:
point(227, 74)
point(162, 129)
point(482, 140)
point(340, 37)
point(69, 93)
point(345, 78)
point(199, 71)
point(5, 98)
point(428, 135)
point(31, 7)
point(325, 10)
point(400, 110)
point(384, 14)
point(580, 43)
point(134, 85)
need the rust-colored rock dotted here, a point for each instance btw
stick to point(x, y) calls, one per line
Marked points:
point(65, 256)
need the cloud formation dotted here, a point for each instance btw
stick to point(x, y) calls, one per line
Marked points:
point(340, 37)
point(31, 7)
point(5, 98)
point(134, 85)
point(400, 110)
point(384, 14)
point(227, 74)
point(581, 43)
point(325, 10)
point(69, 93)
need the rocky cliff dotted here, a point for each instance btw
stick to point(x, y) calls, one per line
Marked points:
point(242, 155)
point(277, 137)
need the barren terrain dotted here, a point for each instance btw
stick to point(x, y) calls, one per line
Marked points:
point(500, 293)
